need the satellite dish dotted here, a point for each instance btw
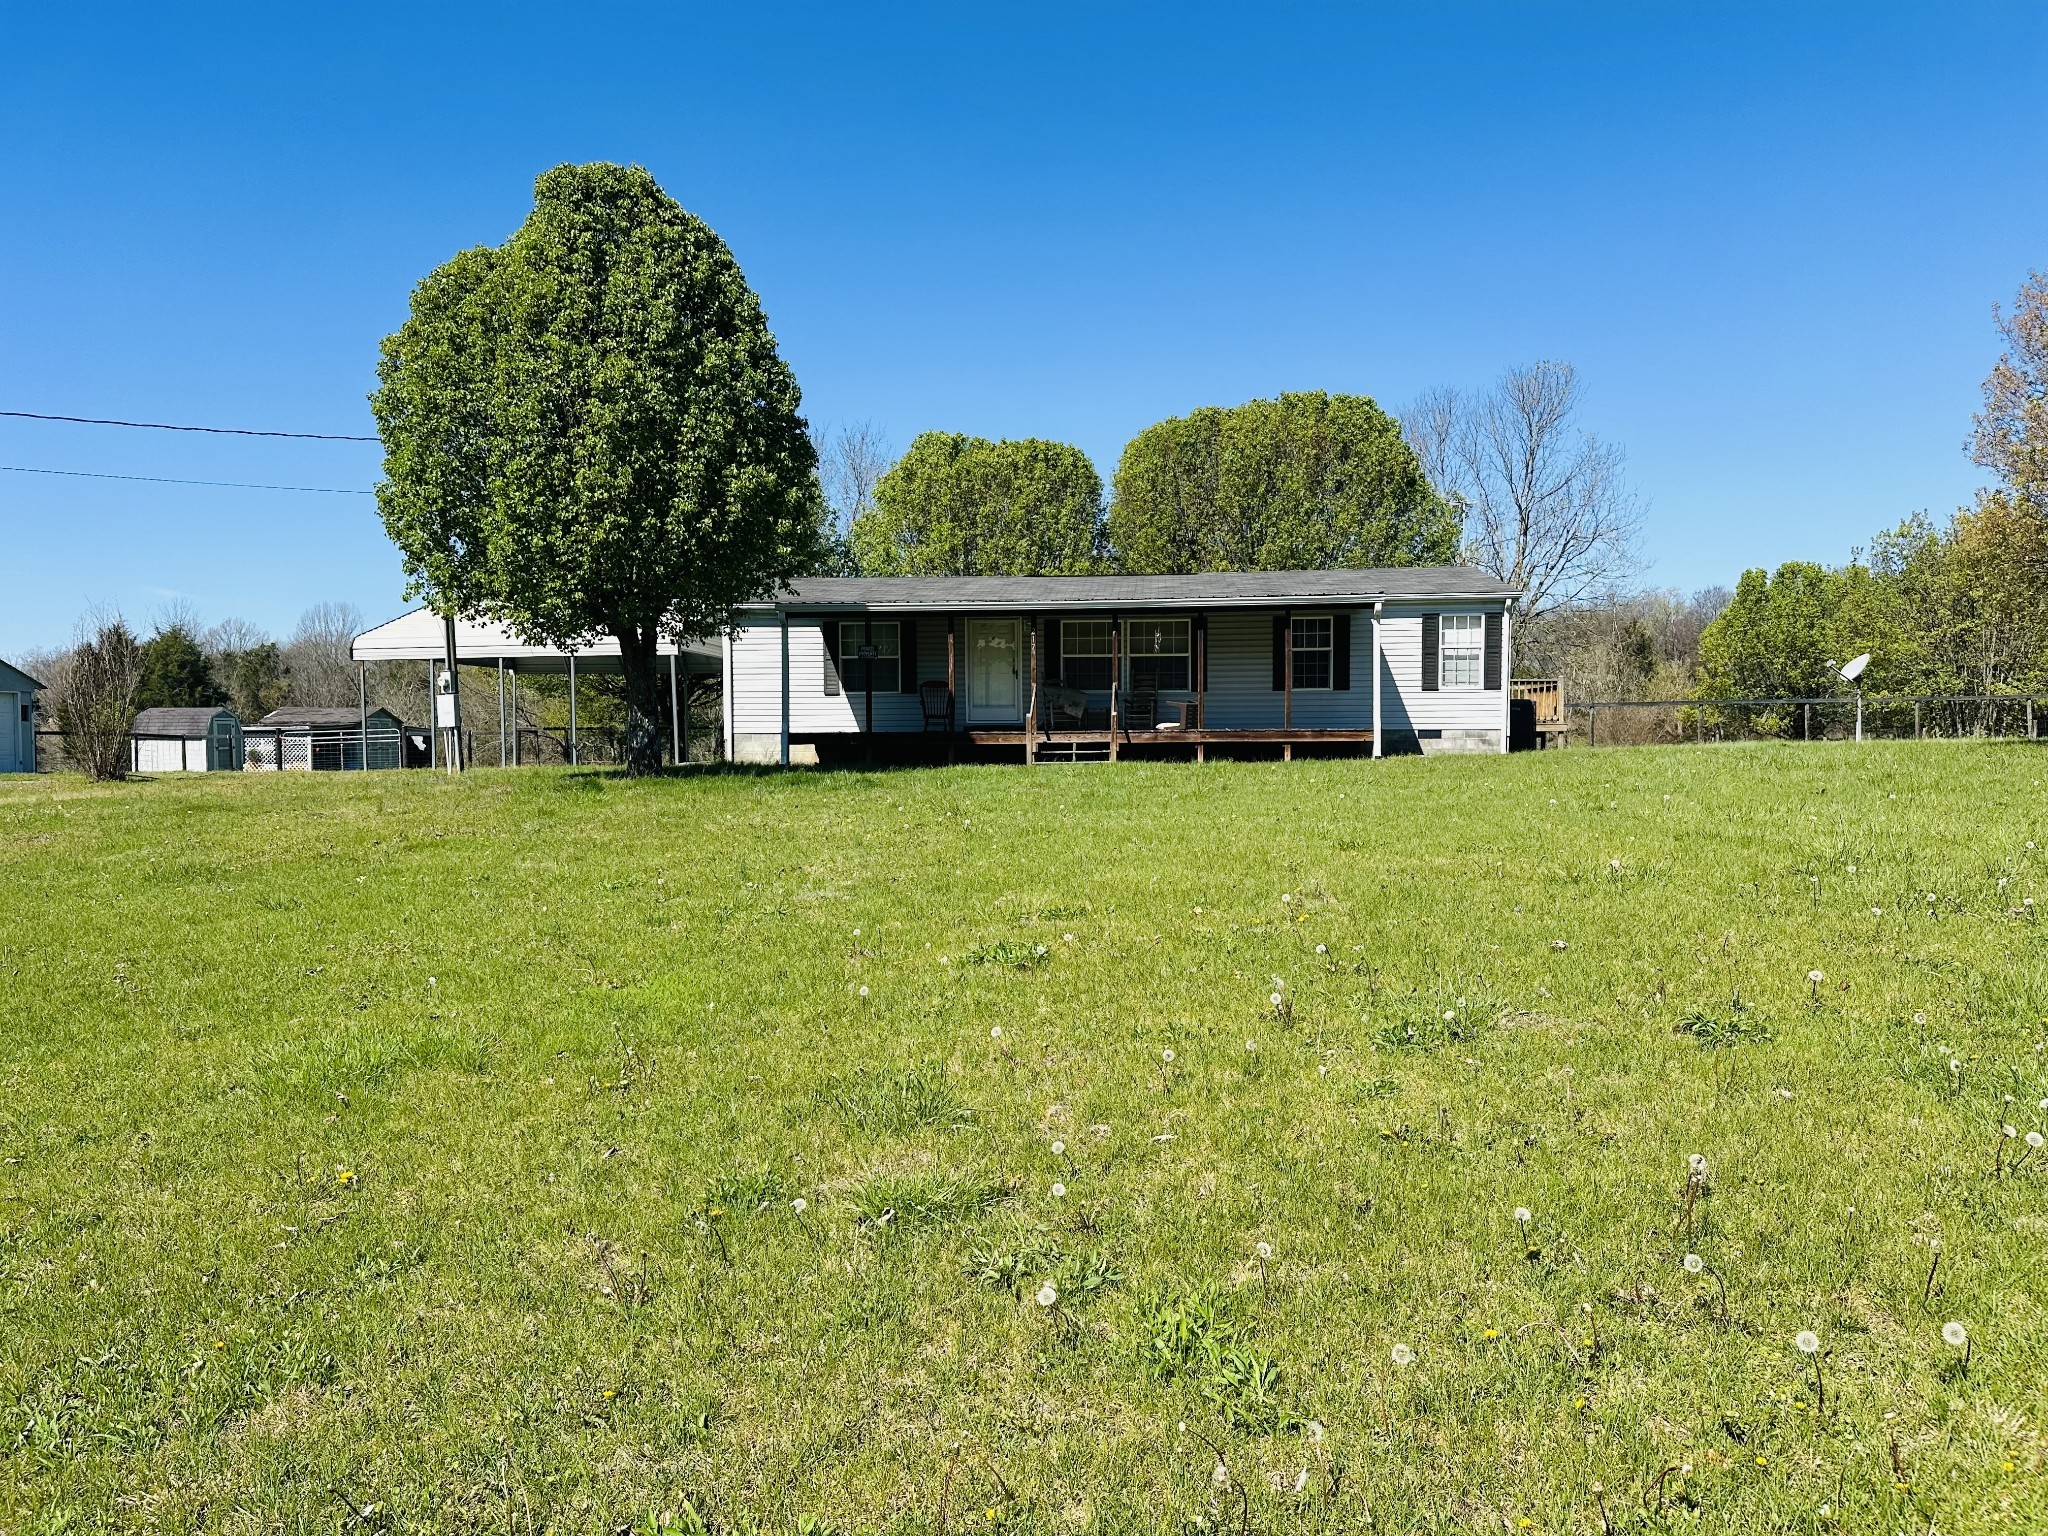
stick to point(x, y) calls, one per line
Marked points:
point(1852, 670)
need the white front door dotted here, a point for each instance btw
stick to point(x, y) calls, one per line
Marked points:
point(995, 670)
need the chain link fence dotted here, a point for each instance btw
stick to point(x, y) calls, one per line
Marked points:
point(1898, 717)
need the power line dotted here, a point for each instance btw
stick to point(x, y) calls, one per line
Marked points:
point(165, 426)
point(230, 485)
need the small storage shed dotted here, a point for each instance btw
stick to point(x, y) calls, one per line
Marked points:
point(304, 738)
point(195, 740)
point(17, 720)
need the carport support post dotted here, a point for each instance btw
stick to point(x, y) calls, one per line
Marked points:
point(512, 711)
point(783, 756)
point(454, 694)
point(363, 706)
point(675, 710)
point(433, 725)
point(572, 709)
point(501, 711)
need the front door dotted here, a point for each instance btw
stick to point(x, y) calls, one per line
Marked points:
point(995, 671)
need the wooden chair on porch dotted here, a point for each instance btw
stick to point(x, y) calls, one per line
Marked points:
point(935, 699)
point(1139, 710)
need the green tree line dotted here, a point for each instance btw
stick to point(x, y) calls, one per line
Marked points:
point(1956, 607)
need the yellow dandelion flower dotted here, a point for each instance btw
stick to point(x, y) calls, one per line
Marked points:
point(1491, 1333)
point(1763, 1461)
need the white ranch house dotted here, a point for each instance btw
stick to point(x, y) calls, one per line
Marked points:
point(1378, 661)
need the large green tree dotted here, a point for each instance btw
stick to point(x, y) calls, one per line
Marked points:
point(964, 506)
point(175, 671)
point(588, 431)
point(1304, 482)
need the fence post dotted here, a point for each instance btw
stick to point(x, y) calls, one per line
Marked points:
point(1699, 722)
point(1593, 726)
point(1916, 719)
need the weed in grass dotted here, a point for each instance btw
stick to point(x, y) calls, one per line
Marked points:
point(895, 1103)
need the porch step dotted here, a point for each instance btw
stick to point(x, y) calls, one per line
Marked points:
point(1073, 751)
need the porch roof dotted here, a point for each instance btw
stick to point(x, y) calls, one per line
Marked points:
point(1208, 589)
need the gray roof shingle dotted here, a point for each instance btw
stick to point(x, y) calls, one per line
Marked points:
point(318, 717)
point(1208, 589)
point(183, 723)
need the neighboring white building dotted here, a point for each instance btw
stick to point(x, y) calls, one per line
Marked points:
point(196, 740)
point(17, 720)
point(1379, 661)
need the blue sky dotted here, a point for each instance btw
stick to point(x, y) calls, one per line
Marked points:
point(1768, 236)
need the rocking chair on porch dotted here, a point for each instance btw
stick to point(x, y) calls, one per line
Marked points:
point(936, 700)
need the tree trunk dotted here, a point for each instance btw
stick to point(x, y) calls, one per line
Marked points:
point(642, 670)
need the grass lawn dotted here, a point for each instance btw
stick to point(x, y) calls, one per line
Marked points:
point(398, 1153)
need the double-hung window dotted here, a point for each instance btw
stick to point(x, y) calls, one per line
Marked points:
point(1461, 650)
point(1314, 662)
point(1084, 652)
point(861, 668)
point(1158, 649)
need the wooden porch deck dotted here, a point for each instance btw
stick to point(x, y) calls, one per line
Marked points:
point(1070, 743)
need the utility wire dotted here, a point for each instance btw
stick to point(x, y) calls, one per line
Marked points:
point(165, 426)
point(231, 485)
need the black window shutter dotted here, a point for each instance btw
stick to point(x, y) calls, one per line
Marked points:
point(1492, 662)
point(1279, 652)
point(1052, 651)
point(906, 653)
point(830, 628)
point(1340, 651)
point(1430, 642)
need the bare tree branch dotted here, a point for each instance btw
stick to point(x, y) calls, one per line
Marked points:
point(1546, 506)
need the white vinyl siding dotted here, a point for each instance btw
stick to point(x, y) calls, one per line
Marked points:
point(1240, 668)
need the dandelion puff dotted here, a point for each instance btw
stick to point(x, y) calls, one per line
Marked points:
point(1806, 1341)
point(2035, 1141)
point(1220, 1475)
point(1694, 1264)
point(1522, 1215)
point(1955, 1335)
point(863, 991)
point(1048, 1294)
point(1287, 898)
point(1251, 1047)
point(1059, 1191)
point(1403, 1355)
point(1167, 1055)
point(1314, 1431)
point(1816, 977)
point(1322, 949)
point(1059, 1149)
point(1273, 1000)
point(1263, 1250)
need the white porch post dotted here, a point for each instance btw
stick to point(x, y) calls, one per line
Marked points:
point(785, 686)
point(572, 709)
point(1507, 672)
point(1378, 747)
